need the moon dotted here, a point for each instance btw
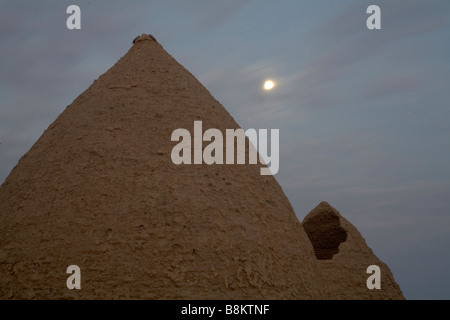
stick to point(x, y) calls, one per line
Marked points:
point(269, 85)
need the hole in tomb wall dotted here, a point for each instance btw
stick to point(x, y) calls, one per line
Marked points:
point(326, 234)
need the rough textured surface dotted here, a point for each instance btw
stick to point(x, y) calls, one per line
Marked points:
point(343, 260)
point(99, 190)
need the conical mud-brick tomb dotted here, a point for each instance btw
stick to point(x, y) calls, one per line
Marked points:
point(99, 190)
point(343, 257)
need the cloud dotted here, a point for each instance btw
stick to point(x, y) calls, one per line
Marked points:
point(209, 14)
point(343, 45)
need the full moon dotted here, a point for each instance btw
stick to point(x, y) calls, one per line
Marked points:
point(269, 84)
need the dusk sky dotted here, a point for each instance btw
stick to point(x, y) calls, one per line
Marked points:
point(364, 115)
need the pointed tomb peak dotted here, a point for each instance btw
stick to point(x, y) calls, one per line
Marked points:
point(343, 257)
point(99, 190)
point(144, 37)
point(323, 209)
